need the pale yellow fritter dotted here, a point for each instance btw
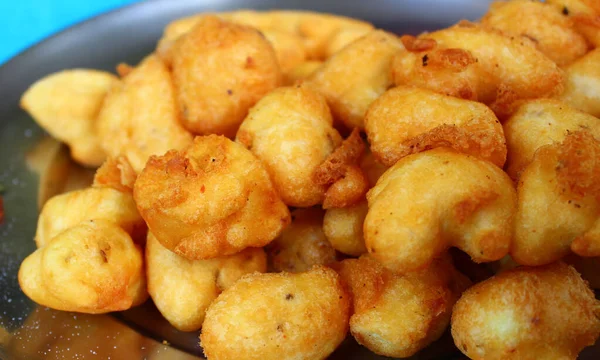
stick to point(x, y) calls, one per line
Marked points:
point(220, 70)
point(395, 314)
point(528, 313)
point(551, 31)
point(289, 49)
point(93, 267)
point(302, 244)
point(356, 75)
point(301, 71)
point(278, 316)
point(183, 289)
point(290, 130)
point(582, 86)
point(140, 117)
point(209, 200)
point(407, 120)
point(430, 201)
point(559, 202)
point(541, 122)
point(66, 105)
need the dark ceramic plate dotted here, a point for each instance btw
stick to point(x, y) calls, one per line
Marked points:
point(31, 332)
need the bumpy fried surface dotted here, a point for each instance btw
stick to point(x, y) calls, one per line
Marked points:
point(357, 75)
point(348, 190)
point(585, 15)
point(301, 71)
point(290, 130)
point(343, 227)
point(64, 211)
point(407, 120)
point(66, 105)
point(115, 173)
point(551, 31)
point(302, 244)
point(582, 86)
point(278, 316)
point(397, 315)
point(183, 289)
point(509, 66)
point(93, 267)
point(241, 65)
point(417, 211)
point(139, 117)
point(210, 200)
point(541, 122)
point(343, 37)
point(527, 313)
point(289, 48)
point(559, 202)
point(453, 72)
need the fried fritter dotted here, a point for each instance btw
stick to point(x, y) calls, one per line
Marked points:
point(139, 117)
point(407, 120)
point(559, 202)
point(93, 267)
point(582, 86)
point(550, 30)
point(115, 173)
point(395, 314)
point(183, 289)
point(278, 316)
point(220, 70)
point(541, 122)
point(289, 48)
point(357, 75)
point(585, 15)
point(66, 105)
point(290, 130)
point(343, 227)
point(545, 312)
point(301, 71)
point(212, 199)
point(430, 201)
point(302, 244)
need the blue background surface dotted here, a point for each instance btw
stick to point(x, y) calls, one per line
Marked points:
point(26, 22)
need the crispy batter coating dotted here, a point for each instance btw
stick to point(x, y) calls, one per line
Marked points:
point(302, 244)
point(115, 173)
point(545, 312)
point(290, 130)
point(183, 289)
point(559, 202)
point(289, 48)
point(139, 117)
point(210, 200)
point(585, 15)
point(509, 65)
point(417, 211)
point(66, 105)
point(551, 31)
point(424, 64)
point(395, 314)
point(343, 227)
point(541, 122)
point(220, 70)
point(344, 36)
point(582, 86)
point(64, 211)
point(301, 71)
point(407, 120)
point(348, 190)
point(357, 75)
point(93, 267)
point(278, 316)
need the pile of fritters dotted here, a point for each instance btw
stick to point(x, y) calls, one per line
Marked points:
point(280, 178)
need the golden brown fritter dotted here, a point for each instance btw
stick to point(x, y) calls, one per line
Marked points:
point(290, 130)
point(93, 267)
point(210, 200)
point(395, 314)
point(585, 15)
point(115, 173)
point(582, 86)
point(302, 244)
point(278, 316)
point(301, 71)
point(551, 31)
point(140, 117)
point(289, 49)
point(220, 70)
point(545, 312)
point(541, 122)
point(559, 202)
point(430, 201)
point(183, 289)
point(343, 227)
point(407, 120)
point(66, 105)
